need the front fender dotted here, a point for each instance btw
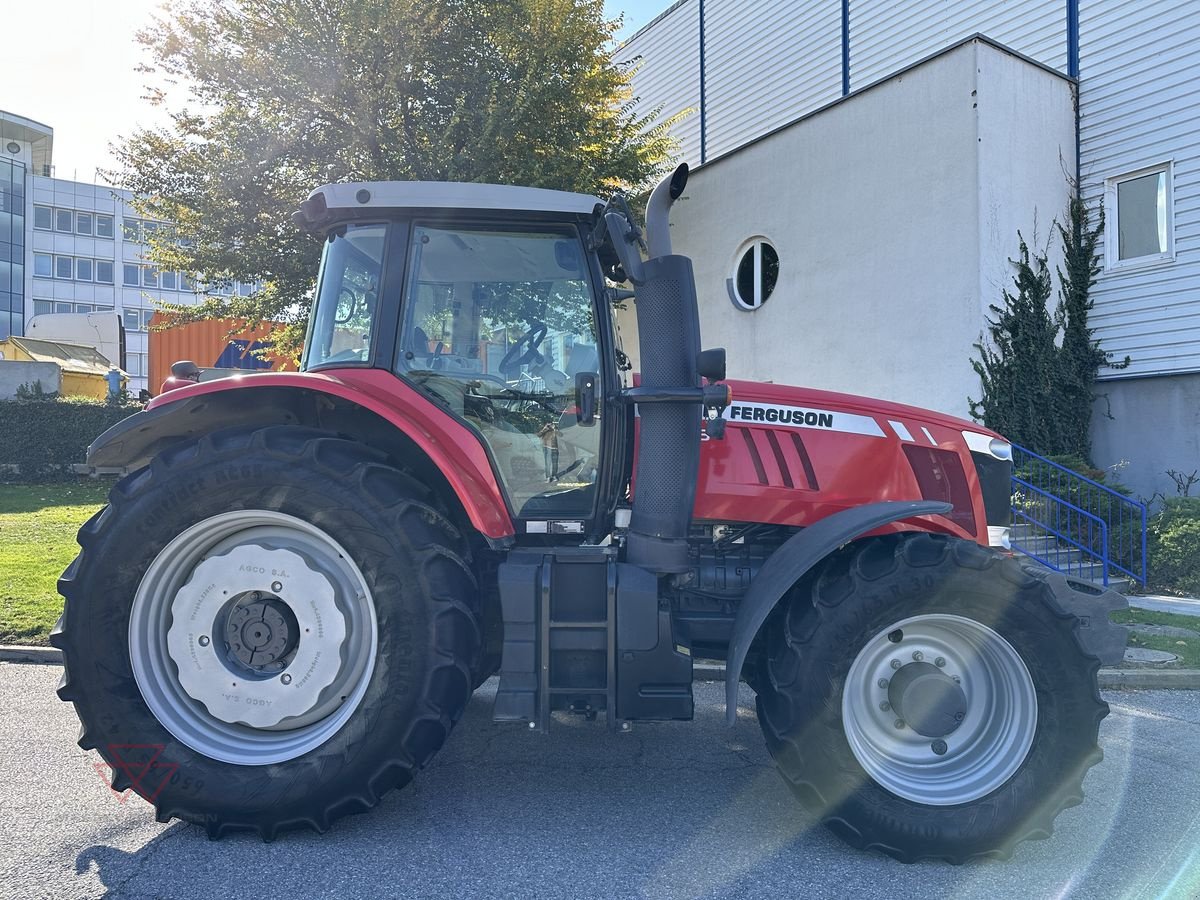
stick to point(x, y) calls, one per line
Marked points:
point(309, 398)
point(791, 562)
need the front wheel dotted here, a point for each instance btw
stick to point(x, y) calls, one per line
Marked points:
point(267, 630)
point(925, 698)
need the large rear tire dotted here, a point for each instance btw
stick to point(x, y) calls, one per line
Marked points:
point(267, 630)
point(926, 698)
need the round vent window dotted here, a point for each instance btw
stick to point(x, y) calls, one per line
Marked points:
point(755, 273)
point(13, 147)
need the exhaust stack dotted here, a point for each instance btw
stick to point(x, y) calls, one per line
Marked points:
point(669, 441)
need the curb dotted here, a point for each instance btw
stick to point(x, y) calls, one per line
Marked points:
point(23, 654)
point(1109, 679)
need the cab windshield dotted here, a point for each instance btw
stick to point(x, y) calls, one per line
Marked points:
point(347, 296)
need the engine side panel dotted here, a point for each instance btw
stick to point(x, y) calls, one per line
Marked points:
point(793, 456)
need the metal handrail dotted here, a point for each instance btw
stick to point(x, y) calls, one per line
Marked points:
point(1076, 475)
point(1059, 536)
point(1123, 513)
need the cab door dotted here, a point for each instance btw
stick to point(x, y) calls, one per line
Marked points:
point(500, 325)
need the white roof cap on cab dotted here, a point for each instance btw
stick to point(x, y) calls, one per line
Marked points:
point(437, 195)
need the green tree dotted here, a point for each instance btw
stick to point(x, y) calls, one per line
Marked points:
point(1038, 370)
point(1018, 367)
point(1080, 355)
point(286, 95)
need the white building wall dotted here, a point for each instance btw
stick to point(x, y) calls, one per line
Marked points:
point(886, 244)
point(886, 36)
point(666, 54)
point(1139, 105)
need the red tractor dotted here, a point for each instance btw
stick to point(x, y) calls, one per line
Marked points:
point(290, 598)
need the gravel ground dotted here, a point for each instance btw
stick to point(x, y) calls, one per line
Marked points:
point(677, 810)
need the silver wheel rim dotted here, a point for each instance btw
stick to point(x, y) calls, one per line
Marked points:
point(196, 591)
point(994, 736)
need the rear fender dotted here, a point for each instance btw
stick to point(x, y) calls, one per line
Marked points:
point(369, 405)
point(792, 561)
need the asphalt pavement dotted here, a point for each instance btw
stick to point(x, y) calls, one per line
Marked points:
point(673, 810)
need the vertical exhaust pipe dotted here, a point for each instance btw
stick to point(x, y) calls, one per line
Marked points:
point(668, 459)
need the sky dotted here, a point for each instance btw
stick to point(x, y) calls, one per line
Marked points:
point(77, 63)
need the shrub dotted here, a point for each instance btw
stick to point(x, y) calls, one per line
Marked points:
point(42, 439)
point(1174, 546)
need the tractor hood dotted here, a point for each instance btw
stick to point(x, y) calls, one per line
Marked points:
point(794, 455)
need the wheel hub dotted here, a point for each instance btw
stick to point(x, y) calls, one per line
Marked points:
point(927, 700)
point(261, 631)
point(256, 636)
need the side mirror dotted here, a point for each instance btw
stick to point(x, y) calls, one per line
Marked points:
point(625, 243)
point(585, 397)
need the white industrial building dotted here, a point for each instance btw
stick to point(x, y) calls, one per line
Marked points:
point(73, 247)
point(861, 170)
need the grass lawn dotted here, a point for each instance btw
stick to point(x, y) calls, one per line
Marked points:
point(37, 541)
point(1187, 649)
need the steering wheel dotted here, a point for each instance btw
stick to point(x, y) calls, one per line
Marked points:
point(353, 304)
point(525, 350)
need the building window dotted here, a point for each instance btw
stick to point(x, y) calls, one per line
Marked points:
point(104, 226)
point(104, 271)
point(83, 223)
point(1142, 209)
point(131, 230)
point(147, 314)
point(83, 269)
point(149, 277)
point(64, 220)
point(43, 265)
point(60, 307)
point(131, 319)
point(167, 280)
point(43, 218)
point(131, 275)
point(755, 273)
point(64, 266)
point(43, 307)
point(185, 281)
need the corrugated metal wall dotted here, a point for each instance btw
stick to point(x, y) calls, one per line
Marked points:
point(667, 55)
point(767, 63)
point(1139, 106)
point(886, 36)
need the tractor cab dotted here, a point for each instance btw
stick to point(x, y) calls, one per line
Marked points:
point(496, 309)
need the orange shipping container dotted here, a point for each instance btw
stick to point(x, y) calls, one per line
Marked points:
point(210, 345)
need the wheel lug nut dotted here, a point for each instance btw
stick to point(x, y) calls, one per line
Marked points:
point(899, 723)
point(918, 655)
point(882, 682)
point(939, 747)
point(940, 661)
point(896, 663)
point(285, 678)
point(276, 586)
point(956, 678)
point(203, 640)
point(885, 706)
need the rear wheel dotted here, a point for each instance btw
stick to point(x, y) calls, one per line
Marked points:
point(923, 698)
point(267, 630)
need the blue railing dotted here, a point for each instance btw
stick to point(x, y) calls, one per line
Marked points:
point(1077, 524)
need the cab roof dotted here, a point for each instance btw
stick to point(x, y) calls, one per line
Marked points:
point(336, 202)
